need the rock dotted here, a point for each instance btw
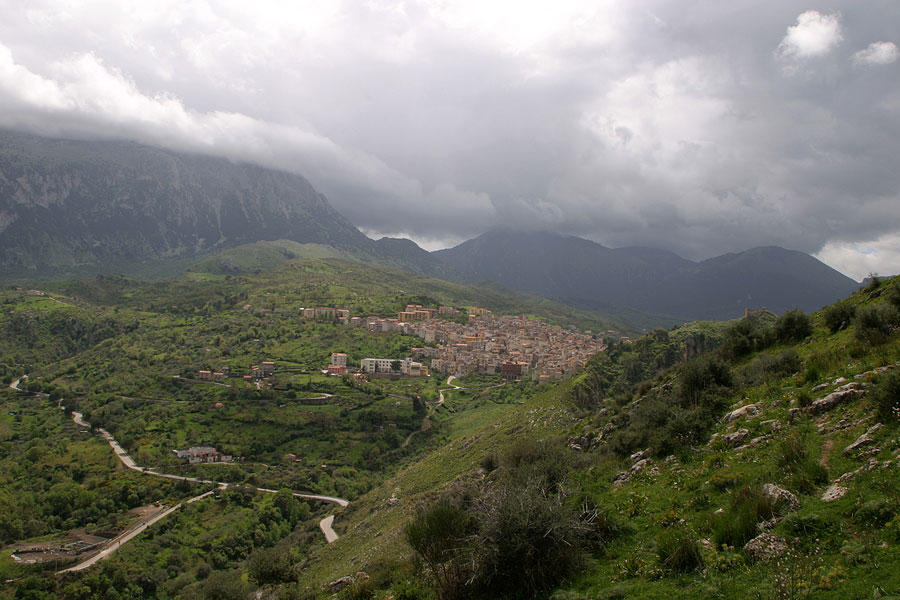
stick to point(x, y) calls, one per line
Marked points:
point(622, 478)
point(839, 381)
point(749, 409)
point(640, 464)
point(783, 500)
point(339, 584)
point(820, 387)
point(863, 440)
point(720, 511)
point(766, 546)
point(834, 399)
point(793, 413)
point(772, 425)
point(735, 438)
point(833, 492)
point(640, 455)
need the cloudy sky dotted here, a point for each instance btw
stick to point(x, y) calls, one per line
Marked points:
point(696, 126)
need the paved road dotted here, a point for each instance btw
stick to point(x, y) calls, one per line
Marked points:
point(116, 543)
point(325, 526)
point(129, 462)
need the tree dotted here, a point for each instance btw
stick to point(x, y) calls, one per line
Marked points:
point(395, 365)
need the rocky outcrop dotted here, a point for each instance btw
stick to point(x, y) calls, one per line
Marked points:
point(783, 500)
point(749, 409)
point(845, 393)
point(766, 546)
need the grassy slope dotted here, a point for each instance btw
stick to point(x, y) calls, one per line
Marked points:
point(837, 551)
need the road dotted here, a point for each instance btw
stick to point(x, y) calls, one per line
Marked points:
point(325, 526)
point(116, 543)
point(15, 384)
point(78, 418)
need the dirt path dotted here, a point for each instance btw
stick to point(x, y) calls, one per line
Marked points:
point(826, 453)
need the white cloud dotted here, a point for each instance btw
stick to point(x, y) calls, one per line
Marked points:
point(859, 259)
point(814, 35)
point(877, 53)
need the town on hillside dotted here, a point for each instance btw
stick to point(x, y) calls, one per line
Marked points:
point(510, 346)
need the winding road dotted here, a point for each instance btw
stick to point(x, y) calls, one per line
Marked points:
point(325, 524)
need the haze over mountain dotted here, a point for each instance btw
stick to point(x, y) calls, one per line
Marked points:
point(73, 207)
point(588, 275)
point(68, 204)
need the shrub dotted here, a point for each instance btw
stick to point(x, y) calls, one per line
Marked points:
point(886, 397)
point(745, 336)
point(767, 367)
point(839, 316)
point(528, 540)
point(874, 324)
point(678, 550)
point(439, 536)
point(874, 513)
point(793, 326)
point(893, 295)
point(490, 462)
point(804, 471)
point(737, 526)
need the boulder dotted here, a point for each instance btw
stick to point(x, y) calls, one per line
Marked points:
point(749, 409)
point(766, 546)
point(834, 399)
point(735, 438)
point(833, 492)
point(783, 500)
point(863, 440)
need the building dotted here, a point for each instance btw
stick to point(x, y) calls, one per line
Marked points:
point(267, 368)
point(337, 369)
point(377, 365)
point(202, 454)
point(338, 359)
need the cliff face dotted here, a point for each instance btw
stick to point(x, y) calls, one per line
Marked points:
point(67, 203)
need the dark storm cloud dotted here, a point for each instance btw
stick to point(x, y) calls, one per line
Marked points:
point(695, 126)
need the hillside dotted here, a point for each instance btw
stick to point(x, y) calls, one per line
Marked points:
point(793, 445)
point(668, 288)
point(606, 484)
point(73, 208)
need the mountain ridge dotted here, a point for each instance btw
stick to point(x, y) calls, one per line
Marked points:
point(586, 274)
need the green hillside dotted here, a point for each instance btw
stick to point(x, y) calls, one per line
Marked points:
point(626, 480)
point(677, 521)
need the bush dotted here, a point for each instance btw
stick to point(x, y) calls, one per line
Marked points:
point(793, 326)
point(804, 471)
point(874, 324)
point(678, 550)
point(767, 367)
point(737, 526)
point(839, 316)
point(886, 397)
point(439, 535)
point(528, 540)
point(874, 513)
point(893, 295)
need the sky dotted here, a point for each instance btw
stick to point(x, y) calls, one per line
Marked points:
point(694, 126)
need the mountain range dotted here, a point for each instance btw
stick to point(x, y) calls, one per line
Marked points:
point(585, 274)
point(73, 207)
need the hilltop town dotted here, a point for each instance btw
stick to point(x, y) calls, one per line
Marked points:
point(512, 346)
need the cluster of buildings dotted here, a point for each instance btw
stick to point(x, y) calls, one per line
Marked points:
point(509, 346)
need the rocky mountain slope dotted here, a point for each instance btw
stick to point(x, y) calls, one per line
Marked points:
point(78, 207)
point(582, 273)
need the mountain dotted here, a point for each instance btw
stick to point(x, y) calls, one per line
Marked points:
point(72, 207)
point(588, 275)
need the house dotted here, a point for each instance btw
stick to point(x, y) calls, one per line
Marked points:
point(267, 368)
point(338, 359)
point(202, 454)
